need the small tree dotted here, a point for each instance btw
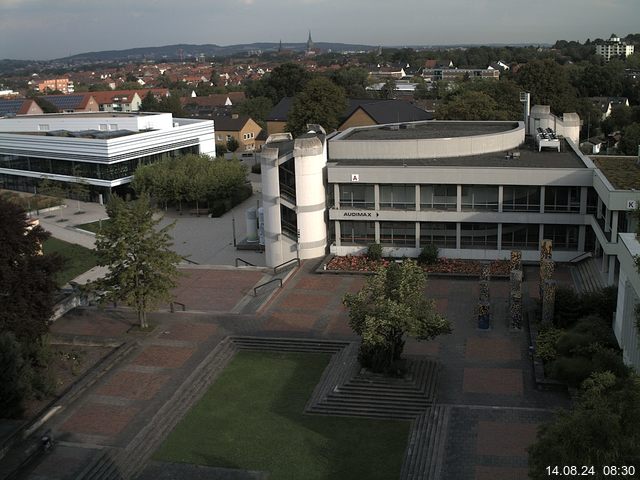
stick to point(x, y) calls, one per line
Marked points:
point(14, 376)
point(142, 268)
point(321, 102)
point(391, 305)
point(232, 144)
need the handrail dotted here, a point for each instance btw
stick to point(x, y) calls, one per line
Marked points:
point(275, 269)
point(173, 310)
point(255, 289)
point(190, 261)
point(238, 259)
point(584, 254)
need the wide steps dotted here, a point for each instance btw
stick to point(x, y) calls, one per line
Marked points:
point(288, 344)
point(425, 449)
point(589, 276)
point(378, 393)
point(350, 411)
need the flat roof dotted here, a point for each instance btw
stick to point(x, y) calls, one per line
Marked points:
point(622, 172)
point(529, 158)
point(87, 115)
point(429, 130)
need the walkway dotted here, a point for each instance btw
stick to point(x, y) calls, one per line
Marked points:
point(486, 383)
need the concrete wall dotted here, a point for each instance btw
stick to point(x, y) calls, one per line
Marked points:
point(628, 295)
point(83, 121)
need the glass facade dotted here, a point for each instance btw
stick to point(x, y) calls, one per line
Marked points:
point(357, 233)
point(289, 222)
point(564, 237)
point(357, 196)
point(562, 199)
point(398, 234)
point(74, 168)
point(440, 234)
point(520, 236)
point(438, 197)
point(398, 196)
point(479, 235)
point(520, 199)
point(287, 176)
point(480, 198)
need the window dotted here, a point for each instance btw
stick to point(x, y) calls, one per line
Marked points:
point(520, 236)
point(43, 127)
point(356, 196)
point(442, 235)
point(287, 173)
point(564, 237)
point(402, 197)
point(438, 197)
point(289, 222)
point(562, 199)
point(398, 234)
point(592, 201)
point(521, 199)
point(357, 233)
point(480, 197)
point(102, 127)
point(479, 235)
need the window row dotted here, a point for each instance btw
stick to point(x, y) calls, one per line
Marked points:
point(473, 198)
point(472, 235)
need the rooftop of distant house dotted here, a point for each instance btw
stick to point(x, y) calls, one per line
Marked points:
point(622, 172)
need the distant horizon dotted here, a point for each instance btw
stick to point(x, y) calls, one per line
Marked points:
point(41, 30)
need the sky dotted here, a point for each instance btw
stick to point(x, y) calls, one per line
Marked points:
point(47, 29)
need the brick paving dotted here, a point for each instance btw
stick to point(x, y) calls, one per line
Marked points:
point(486, 376)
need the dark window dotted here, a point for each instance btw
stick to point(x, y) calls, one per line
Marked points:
point(479, 235)
point(289, 222)
point(356, 196)
point(480, 197)
point(402, 197)
point(564, 237)
point(520, 236)
point(440, 234)
point(562, 199)
point(438, 197)
point(521, 199)
point(357, 233)
point(398, 234)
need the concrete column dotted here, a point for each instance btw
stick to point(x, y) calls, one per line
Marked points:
point(599, 208)
point(603, 265)
point(500, 199)
point(417, 234)
point(336, 227)
point(614, 226)
point(500, 233)
point(582, 235)
point(541, 235)
point(417, 197)
point(459, 198)
point(376, 197)
point(458, 232)
point(336, 195)
point(542, 193)
point(607, 220)
point(377, 228)
point(583, 200)
point(612, 270)
point(271, 205)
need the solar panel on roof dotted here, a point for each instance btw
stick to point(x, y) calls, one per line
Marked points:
point(63, 102)
point(10, 106)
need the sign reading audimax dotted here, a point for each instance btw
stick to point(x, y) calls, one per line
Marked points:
point(359, 214)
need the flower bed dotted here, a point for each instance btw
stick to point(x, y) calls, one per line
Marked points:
point(360, 263)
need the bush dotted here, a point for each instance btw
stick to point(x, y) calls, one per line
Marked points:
point(374, 252)
point(428, 255)
point(571, 306)
point(256, 168)
point(571, 370)
point(15, 376)
point(546, 343)
point(567, 307)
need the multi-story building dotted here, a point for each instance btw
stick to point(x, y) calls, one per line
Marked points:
point(614, 48)
point(476, 190)
point(240, 127)
point(99, 149)
point(63, 85)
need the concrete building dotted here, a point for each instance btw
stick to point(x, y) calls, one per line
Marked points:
point(63, 85)
point(614, 48)
point(99, 149)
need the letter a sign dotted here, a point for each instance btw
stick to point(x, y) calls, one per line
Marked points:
point(355, 177)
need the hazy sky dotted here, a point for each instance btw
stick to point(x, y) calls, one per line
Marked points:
point(45, 29)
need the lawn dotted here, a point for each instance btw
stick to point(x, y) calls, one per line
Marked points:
point(77, 259)
point(93, 226)
point(252, 418)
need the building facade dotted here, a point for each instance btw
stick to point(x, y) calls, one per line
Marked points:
point(101, 150)
point(614, 48)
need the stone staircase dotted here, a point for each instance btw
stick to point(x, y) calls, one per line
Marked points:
point(425, 450)
point(288, 345)
point(586, 276)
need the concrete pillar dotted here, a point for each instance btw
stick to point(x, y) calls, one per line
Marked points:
point(541, 235)
point(612, 270)
point(271, 204)
point(338, 232)
point(376, 197)
point(583, 200)
point(603, 264)
point(614, 226)
point(500, 233)
point(500, 200)
point(542, 194)
point(417, 197)
point(582, 235)
point(377, 229)
point(336, 195)
point(459, 198)
point(599, 208)
point(458, 232)
point(607, 220)
point(417, 234)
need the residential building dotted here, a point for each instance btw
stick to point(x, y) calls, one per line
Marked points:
point(607, 104)
point(78, 102)
point(63, 85)
point(22, 106)
point(614, 48)
point(241, 127)
point(100, 149)
point(118, 100)
point(211, 105)
point(451, 74)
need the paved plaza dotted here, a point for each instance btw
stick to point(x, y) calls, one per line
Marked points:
point(486, 375)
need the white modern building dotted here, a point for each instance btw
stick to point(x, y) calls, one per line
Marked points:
point(614, 48)
point(100, 149)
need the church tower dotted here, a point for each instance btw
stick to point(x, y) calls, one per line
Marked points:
point(310, 46)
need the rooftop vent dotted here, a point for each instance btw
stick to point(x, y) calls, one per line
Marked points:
point(391, 127)
point(406, 126)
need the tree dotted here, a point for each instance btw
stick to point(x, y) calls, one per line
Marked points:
point(549, 84)
point(471, 105)
point(27, 284)
point(257, 108)
point(142, 270)
point(388, 90)
point(391, 305)
point(321, 102)
point(171, 104)
point(149, 103)
point(232, 144)
point(285, 80)
point(354, 81)
point(630, 141)
point(14, 374)
point(603, 428)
